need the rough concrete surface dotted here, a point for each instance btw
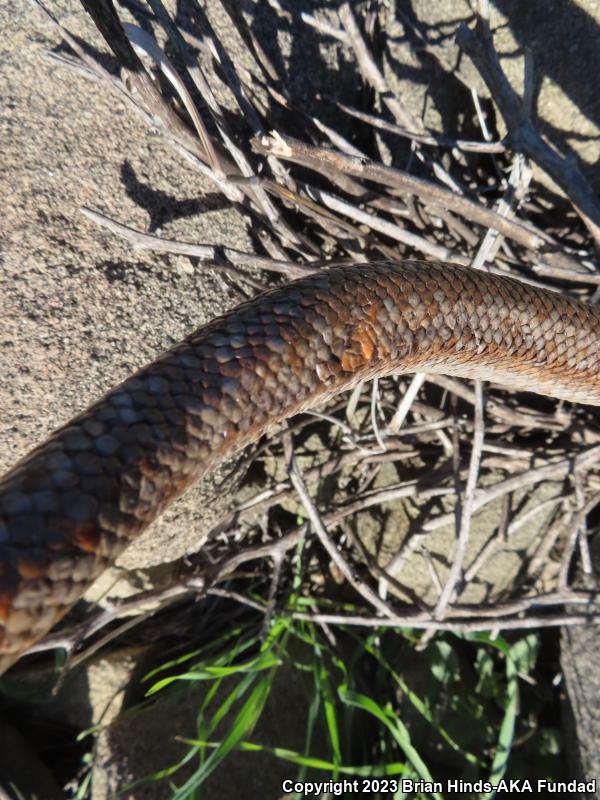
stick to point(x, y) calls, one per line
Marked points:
point(79, 310)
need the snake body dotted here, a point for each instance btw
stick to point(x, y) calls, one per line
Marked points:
point(70, 507)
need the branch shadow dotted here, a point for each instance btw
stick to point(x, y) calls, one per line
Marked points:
point(161, 206)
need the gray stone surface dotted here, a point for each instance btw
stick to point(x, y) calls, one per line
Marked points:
point(579, 661)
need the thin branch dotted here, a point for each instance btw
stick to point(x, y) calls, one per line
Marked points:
point(456, 570)
point(407, 400)
point(316, 158)
point(557, 471)
point(429, 138)
point(215, 254)
point(410, 621)
point(315, 518)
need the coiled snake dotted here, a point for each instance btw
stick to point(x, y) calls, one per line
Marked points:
point(70, 507)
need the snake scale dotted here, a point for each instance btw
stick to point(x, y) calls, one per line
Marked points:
point(70, 507)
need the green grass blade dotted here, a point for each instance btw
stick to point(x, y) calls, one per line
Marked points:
point(241, 726)
point(395, 726)
point(236, 635)
point(507, 729)
point(323, 687)
point(292, 756)
point(418, 703)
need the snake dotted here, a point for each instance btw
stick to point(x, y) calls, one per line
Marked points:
point(71, 506)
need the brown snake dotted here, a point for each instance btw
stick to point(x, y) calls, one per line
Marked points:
point(70, 507)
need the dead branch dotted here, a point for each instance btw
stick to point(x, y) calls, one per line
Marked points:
point(290, 149)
